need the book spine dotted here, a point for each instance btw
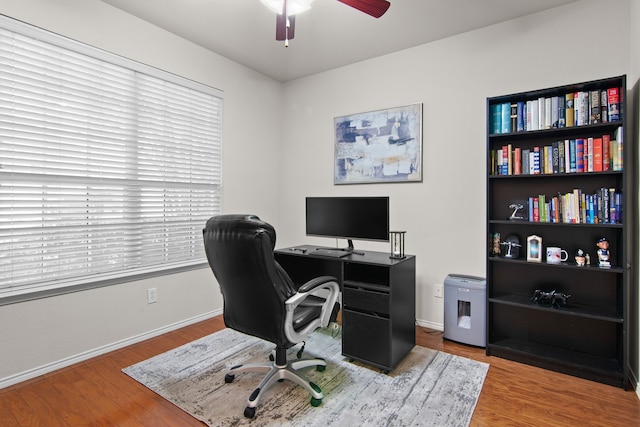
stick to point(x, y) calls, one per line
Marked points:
point(568, 108)
point(496, 118)
point(597, 155)
point(613, 104)
point(588, 153)
point(522, 117)
point(606, 153)
point(604, 113)
point(505, 120)
point(548, 113)
point(579, 155)
point(572, 156)
point(561, 112)
point(594, 106)
point(606, 209)
point(541, 112)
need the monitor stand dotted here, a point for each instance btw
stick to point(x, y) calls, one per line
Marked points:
point(350, 248)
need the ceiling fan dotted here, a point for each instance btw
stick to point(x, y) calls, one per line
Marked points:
point(287, 9)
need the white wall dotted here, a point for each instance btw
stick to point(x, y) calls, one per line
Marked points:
point(445, 214)
point(38, 336)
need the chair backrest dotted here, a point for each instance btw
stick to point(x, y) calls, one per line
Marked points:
point(239, 249)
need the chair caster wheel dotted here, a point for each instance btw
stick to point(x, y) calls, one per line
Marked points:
point(249, 412)
point(320, 368)
point(271, 358)
point(315, 402)
point(229, 378)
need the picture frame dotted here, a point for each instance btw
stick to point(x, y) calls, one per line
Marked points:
point(534, 248)
point(379, 146)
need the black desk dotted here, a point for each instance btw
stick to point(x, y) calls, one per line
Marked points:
point(378, 300)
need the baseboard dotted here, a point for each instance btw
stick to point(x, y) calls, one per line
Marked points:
point(63, 363)
point(430, 325)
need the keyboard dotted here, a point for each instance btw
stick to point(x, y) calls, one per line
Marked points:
point(331, 253)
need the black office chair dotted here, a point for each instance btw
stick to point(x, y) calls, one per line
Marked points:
point(261, 300)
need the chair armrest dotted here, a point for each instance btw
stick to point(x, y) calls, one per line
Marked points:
point(314, 283)
point(317, 286)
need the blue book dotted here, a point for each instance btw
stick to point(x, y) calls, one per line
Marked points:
point(572, 156)
point(496, 118)
point(505, 118)
point(522, 116)
point(531, 209)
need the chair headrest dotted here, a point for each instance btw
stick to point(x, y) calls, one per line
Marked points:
point(244, 222)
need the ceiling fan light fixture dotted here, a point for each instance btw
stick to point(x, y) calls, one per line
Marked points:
point(293, 6)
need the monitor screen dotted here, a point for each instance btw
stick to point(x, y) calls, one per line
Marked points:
point(362, 218)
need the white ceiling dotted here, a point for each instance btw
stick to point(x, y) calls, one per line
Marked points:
point(328, 36)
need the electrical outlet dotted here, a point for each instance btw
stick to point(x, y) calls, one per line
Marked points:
point(437, 291)
point(152, 295)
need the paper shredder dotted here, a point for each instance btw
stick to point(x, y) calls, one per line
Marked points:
point(465, 309)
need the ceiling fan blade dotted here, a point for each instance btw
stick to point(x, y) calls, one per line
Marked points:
point(281, 27)
point(375, 8)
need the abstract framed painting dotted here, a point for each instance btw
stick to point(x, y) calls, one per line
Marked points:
point(379, 146)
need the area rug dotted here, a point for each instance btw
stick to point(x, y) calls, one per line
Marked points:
point(428, 388)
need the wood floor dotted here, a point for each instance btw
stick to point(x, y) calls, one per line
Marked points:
point(97, 393)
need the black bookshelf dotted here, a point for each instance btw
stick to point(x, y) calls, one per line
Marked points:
point(589, 336)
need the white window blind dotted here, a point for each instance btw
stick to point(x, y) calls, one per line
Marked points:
point(108, 168)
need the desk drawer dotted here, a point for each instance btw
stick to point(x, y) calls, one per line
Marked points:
point(367, 300)
point(366, 337)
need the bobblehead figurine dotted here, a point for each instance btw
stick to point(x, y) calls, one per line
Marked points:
point(603, 253)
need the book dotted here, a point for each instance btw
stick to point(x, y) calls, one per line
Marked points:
point(588, 155)
point(568, 108)
point(581, 106)
point(532, 114)
point(541, 113)
point(598, 157)
point(522, 117)
point(594, 107)
point(613, 104)
point(561, 112)
point(535, 164)
point(505, 119)
point(572, 156)
point(496, 118)
point(579, 155)
point(606, 152)
point(604, 114)
point(514, 117)
point(548, 113)
point(555, 157)
point(554, 112)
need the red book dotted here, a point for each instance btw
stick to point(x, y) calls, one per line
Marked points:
point(597, 155)
point(606, 152)
point(517, 161)
point(536, 210)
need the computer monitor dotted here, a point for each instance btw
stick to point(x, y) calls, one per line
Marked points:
point(360, 218)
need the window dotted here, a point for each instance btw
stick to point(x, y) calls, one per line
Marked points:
point(108, 168)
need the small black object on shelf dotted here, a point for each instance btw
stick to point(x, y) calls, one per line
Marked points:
point(555, 299)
